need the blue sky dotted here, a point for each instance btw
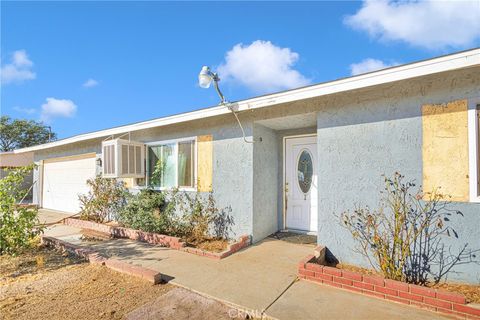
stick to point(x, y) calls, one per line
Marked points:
point(87, 66)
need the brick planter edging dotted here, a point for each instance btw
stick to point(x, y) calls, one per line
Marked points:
point(95, 258)
point(397, 291)
point(231, 249)
point(157, 239)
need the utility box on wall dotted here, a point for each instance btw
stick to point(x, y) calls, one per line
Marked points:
point(123, 159)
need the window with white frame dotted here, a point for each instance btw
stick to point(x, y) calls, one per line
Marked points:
point(171, 164)
point(474, 148)
point(477, 110)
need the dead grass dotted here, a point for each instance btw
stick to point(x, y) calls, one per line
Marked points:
point(36, 260)
point(213, 245)
point(80, 291)
point(353, 268)
point(47, 284)
point(471, 292)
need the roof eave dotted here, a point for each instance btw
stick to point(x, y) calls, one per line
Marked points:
point(451, 62)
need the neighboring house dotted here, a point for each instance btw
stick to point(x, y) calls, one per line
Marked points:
point(319, 150)
point(10, 160)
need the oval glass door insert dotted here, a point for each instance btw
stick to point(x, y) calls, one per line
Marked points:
point(305, 171)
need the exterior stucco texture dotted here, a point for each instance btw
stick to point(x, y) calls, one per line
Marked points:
point(232, 162)
point(378, 133)
point(361, 135)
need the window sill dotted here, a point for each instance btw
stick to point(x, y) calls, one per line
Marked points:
point(474, 200)
point(189, 189)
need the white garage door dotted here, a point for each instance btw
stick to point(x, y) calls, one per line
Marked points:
point(64, 180)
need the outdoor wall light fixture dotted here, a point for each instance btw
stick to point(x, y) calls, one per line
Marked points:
point(205, 79)
point(99, 162)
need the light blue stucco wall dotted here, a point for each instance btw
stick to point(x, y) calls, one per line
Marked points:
point(232, 161)
point(265, 182)
point(361, 135)
point(377, 133)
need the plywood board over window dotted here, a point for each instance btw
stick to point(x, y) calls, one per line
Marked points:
point(445, 149)
point(205, 163)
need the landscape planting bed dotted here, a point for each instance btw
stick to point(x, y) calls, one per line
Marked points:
point(401, 292)
point(157, 239)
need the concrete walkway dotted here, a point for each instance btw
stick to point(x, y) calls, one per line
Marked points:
point(260, 279)
point(307, 300)
point(47, 216)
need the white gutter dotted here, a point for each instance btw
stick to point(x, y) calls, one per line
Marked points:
point(451, 62)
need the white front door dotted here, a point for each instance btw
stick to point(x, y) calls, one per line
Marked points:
point(300, 184)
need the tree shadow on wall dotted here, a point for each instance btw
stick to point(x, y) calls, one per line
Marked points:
point(404, 238)
point(430, 258)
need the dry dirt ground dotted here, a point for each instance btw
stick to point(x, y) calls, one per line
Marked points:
point(45, 284)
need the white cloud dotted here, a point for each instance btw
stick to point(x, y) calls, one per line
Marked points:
point(262, 67)
point(430, 24)
point(18, 70)
point(25, 110)
point(54, 108)
point(368, 65)
point(90, 83)
point(20, 59)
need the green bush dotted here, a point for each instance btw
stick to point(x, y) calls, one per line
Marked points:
point(104, 200)
point(18, 224)
point(148, 211)
point(188, 215)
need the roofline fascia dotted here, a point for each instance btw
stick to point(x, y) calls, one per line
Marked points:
point(450, 62)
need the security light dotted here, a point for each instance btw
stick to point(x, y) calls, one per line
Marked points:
point(205, 78)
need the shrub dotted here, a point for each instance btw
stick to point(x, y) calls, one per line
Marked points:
point(148, 211)
point(202, 220)
point(403, 238)
point(104, 200)
point(191, 216)
point(18, 224)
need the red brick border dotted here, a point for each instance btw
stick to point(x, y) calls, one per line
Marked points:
point(94, 257)
point(427, 298)
point(157, 239)
point(231, 249)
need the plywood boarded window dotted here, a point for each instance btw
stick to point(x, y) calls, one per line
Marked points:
point(205, 163)
point(445, 149)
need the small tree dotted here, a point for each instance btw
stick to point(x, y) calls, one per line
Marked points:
point(19, 133)
point(403, 238)
point(104, 200)
point(18, 224)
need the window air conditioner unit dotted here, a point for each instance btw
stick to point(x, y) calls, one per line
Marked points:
point(123, 159)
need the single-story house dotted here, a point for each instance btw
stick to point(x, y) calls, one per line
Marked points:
point(10, 160)
point(318, 151)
